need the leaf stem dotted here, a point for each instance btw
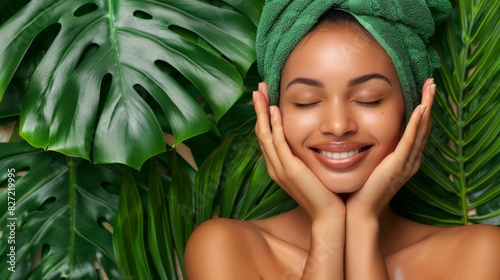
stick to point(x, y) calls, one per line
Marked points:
point(460, 112)
point(72, 207)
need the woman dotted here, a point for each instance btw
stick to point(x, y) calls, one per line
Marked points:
point(345, 138)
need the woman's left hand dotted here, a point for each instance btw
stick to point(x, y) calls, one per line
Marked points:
point(399, 166)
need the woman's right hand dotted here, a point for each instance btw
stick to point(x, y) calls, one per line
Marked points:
point(286, 169)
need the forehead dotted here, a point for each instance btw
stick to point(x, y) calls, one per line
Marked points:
point(356, 30)
point(349, 50)
point(349, 38)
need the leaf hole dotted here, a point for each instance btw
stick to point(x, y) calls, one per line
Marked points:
point(7, 125)
point(179, 78)
point(142, 15)
point(45, 250)
point(153, 104)
point(144, 93)
point(105, 87)
point(40, 253)
point(184, 33)
point(37, 49)
point(104, 92)
point(104, 224)
point(89, 50)
point(99, 269)
point(96, 264)
point(165, 67)
point(47, 204)
point(85, 9)
point(23, 171)
point(194, 38)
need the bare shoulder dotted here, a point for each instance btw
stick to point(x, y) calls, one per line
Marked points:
point(472, 252)
point(461, 252)
point(217, 243)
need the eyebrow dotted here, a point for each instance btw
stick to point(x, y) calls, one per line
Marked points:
point(366, 78)
point(306, 81)
point(351, 83)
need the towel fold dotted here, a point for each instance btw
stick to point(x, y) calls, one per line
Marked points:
point(402, 27)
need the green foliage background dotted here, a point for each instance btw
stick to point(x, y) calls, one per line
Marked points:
point(93, 88)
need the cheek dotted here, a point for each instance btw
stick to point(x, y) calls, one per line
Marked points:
point(387, 129)
point(297, 127)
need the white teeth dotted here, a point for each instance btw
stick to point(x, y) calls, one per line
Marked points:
point(340, 155)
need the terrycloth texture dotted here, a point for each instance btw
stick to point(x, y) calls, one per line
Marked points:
point(401, 27)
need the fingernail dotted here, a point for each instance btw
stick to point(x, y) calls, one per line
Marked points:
point(433, 89)
point(259, 86)
point(254, 94)
point(422, 109)
point(432, 81)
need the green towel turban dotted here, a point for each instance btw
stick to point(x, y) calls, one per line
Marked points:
point(402, 27)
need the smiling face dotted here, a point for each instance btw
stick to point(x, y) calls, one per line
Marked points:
point(342, 105)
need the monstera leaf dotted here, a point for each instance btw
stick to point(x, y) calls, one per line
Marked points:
point(58, 212)
point(111, 67)
point(459, 181)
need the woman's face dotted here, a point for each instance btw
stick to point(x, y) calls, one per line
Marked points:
point(342, 106)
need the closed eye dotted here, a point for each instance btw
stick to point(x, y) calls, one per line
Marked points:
point(305, 105)
point(369, 104)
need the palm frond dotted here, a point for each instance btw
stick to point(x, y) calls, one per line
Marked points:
point(459, 174)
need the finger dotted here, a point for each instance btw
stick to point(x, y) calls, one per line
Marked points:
point(261, 109)
point(263, 87)
point(269, 166)
point(419, 123)
point(279, 140)
point(413, 142)
point(264, 133)
point(289, 164)
point(428, 94)
point(262, 126)
point(408, 139)
point(428, 90)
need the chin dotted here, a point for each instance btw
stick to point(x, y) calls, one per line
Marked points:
point(342, 182)
point(344, 191)
point(344, 187)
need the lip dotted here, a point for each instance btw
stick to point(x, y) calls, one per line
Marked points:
point(346, 155)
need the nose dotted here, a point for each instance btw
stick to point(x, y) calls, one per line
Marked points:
point(338, 120)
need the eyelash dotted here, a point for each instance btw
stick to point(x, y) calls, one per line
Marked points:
point(305, 105)
point(367, 104)
point(370, 104)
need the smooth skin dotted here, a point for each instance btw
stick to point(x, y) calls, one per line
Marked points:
point(334, 102)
